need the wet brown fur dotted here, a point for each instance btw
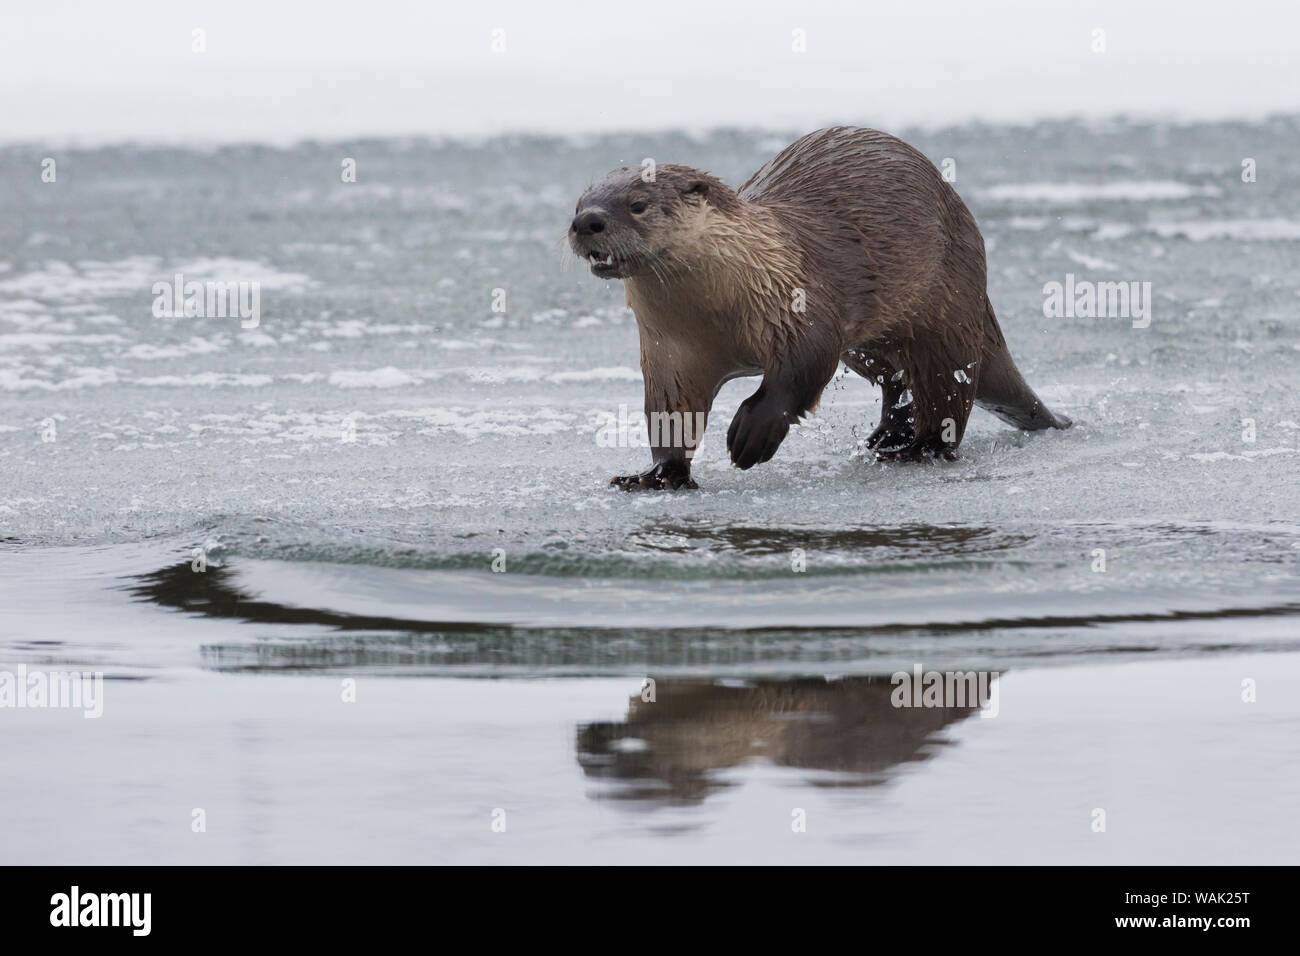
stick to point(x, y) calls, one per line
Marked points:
point(889, 262)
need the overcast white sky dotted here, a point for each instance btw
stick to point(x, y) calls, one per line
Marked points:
point(279, 71)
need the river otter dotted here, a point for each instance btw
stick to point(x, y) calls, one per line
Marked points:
point(847, 246)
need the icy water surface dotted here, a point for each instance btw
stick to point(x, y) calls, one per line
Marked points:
point(352, 467)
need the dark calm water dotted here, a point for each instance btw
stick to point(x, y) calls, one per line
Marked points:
point(351, 469)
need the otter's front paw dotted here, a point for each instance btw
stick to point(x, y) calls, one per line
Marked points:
point(757, 432)
point(666, 475)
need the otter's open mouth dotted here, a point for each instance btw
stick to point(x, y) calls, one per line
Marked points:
point(603, 263)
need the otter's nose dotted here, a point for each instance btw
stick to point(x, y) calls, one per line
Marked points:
point(588, 223)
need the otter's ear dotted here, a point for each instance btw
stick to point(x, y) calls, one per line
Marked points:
point(697, 187)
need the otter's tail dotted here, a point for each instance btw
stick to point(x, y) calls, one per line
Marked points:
point(1003, 390)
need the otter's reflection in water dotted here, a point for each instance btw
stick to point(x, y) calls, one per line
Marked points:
point(671, 748)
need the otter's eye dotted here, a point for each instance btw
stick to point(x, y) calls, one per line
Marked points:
point(637, 208)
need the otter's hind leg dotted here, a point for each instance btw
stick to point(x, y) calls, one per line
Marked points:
point(942, 368)
point(927, 402)
point(895, 428)
point(940, 405)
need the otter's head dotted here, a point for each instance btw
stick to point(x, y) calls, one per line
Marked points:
point(631, 222)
